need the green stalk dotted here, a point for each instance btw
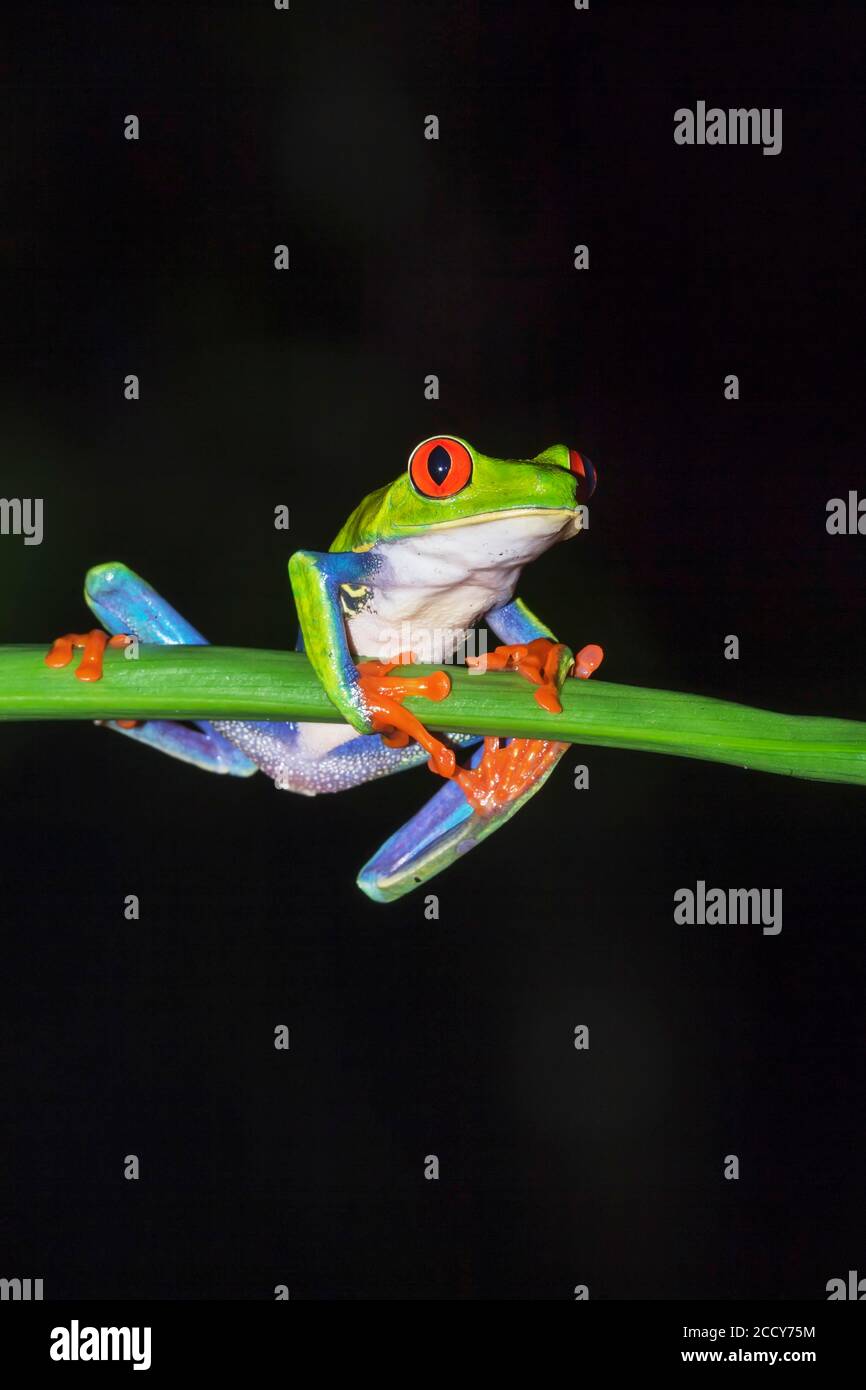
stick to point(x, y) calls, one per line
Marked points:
point(174, 682)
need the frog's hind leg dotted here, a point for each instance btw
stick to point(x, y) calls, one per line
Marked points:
point(450, 825)
point(315, 759)
point(125, 603)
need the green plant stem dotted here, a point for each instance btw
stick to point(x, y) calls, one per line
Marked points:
point(174, 682)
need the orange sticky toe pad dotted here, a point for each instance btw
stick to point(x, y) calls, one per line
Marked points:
point(94, 643)
point(588, 659)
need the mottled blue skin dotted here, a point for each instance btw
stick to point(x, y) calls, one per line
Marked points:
point(445, 826)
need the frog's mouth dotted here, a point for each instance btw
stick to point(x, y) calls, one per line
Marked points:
point(559, 517)
point(498, 538)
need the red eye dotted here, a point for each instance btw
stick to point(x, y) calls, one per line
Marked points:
point(440, 467)
point(584, 470)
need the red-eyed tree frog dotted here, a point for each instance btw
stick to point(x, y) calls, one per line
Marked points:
point(416, 565)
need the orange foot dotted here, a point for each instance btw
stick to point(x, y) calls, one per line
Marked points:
point(385, 693)
point(539, 661)
point(94, 643)
point(509, 769)
point(506, 771)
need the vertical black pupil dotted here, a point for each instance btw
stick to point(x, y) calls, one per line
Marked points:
point(439, 464)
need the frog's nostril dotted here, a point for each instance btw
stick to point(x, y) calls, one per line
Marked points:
point(584, 471)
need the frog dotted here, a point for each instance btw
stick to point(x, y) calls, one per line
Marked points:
point(436, 552)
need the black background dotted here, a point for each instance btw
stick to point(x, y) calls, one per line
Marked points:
point(411, 1037)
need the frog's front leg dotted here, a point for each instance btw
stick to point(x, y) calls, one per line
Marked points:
point(499, 778)
point(532, 650)
point(366, 694)
point(126, 604)
point(511, 770)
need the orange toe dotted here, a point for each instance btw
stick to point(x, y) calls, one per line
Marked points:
point(588, 659)
point(537, 661)
point(94, 643)
point(385, 694)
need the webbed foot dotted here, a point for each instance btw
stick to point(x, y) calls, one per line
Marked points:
point(506, 771)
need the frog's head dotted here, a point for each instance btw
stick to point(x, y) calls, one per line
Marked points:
point(526, 504)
